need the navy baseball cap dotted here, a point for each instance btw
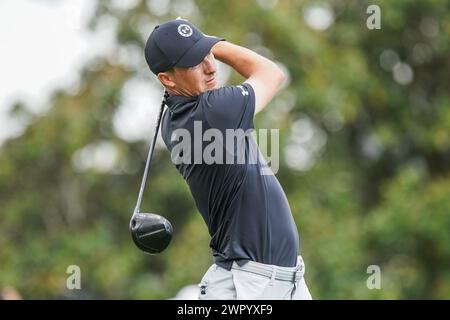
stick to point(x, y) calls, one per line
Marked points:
point(177, 43)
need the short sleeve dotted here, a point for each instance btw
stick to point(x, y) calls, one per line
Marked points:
point(230, 107)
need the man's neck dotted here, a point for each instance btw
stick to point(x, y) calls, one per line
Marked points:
point(178, 92)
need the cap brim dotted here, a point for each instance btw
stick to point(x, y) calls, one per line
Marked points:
point(198, 52)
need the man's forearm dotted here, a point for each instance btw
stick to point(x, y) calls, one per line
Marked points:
point(263, 75)
point(243, 60)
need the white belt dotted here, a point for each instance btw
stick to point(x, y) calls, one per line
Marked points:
point(292, 274)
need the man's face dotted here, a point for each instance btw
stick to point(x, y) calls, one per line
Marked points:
point(195, 80)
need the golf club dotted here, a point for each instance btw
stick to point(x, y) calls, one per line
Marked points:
point(150, 232)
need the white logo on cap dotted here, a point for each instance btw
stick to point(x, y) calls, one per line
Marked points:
point(184, 30)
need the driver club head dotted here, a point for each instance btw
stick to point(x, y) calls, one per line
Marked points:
point(150, 232)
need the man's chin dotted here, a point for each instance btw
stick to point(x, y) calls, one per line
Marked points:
point(210, 85)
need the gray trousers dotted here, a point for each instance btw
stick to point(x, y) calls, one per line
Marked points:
point(255, 281)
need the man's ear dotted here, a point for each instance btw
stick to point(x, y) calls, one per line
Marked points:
point(166, 79)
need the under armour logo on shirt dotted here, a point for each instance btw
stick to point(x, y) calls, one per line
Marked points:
point(243, 91)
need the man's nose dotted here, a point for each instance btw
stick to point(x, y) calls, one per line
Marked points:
point(209, 64)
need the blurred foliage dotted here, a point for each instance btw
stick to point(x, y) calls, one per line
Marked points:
point(377, 194)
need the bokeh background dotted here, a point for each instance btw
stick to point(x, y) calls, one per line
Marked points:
point(364, 123)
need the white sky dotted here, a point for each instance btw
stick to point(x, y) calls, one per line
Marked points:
point(43, 46)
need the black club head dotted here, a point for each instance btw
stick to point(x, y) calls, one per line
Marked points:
point(150, 232)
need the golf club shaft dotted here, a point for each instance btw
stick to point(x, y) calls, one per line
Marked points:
point(150, 154)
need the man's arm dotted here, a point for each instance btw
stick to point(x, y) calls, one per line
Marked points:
point(263, 75)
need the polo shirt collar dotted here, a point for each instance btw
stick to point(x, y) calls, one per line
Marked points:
point(173, 102)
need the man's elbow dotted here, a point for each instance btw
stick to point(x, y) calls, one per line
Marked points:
point(280, 77)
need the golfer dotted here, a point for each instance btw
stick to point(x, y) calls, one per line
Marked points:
point(254, 239)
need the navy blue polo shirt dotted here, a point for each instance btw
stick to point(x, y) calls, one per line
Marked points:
point(246, 211)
